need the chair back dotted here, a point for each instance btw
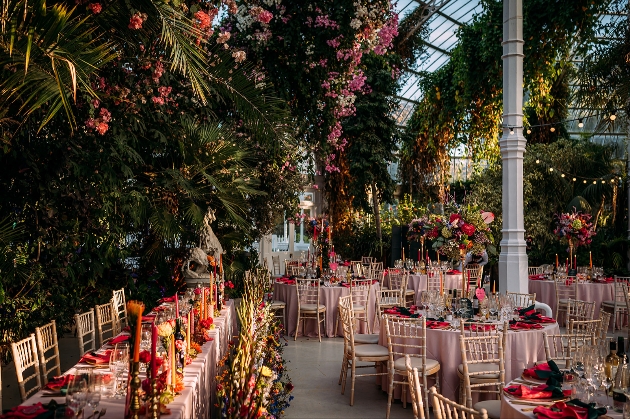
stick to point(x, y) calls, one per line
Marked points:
point(580, 310)
point(379, 275)
point(605, 317)
point(387, 299)
point(474, 273)
point(293, 270)
point(25, 357)
point(275, 262)
point(566, 288)
point(487, 351)
point(522, 300)
point(360, 292)
point(345, 314)
point(397, 281)
point(366, 260)
point(376, 266)
point(444, 408)
point(357, 267)
point(406, 336)
point(435, 279)
point(86, 332)
point(562, 348)
point(46, 338)
point(591, 328)
point(415, 389)
point(106, 324)
point(307, 291)
point(120, 307)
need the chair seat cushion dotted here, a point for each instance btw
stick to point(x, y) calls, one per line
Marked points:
point(410, 292)
point(493, 407)
point(363, 338)
point(278, 304)
point(371, 350)
point(312, 308)
point(416, 362)
point(479, 368)
point(358, 307)
point(612, 303)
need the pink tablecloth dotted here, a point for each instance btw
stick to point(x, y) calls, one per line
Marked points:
point(588, 291)
point(523, 349)
point(328, 296)
point(418, 283)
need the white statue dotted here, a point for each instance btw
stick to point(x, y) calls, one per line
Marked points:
point(197, 266)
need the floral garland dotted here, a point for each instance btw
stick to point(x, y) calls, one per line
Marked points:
point(317, 228)
point(575, 227)
point(466, 229)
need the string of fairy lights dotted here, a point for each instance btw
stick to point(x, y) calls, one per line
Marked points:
point(611, 178)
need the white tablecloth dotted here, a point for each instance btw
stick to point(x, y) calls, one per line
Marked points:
point(195, 401)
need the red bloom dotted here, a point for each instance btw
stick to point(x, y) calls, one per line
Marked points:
point(203, 18)
point(454, 217)
point(135, 22)
point(265, 17)
point(102, 128)
point(95, 8)
point(145, 357)
point(468, 229)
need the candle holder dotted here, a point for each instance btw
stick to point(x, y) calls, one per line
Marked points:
point(154, 401)
point(134, 405)
point(462, 257)
point(572, 271)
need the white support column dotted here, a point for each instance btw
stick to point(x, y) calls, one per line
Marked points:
point(513, 257)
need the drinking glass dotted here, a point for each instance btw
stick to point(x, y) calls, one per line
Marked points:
point(76, 395)
point(119, 362)
point(96, 387)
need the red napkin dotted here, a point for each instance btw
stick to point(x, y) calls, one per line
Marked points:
point(544, 319)
point(159, 308)
point(119, 338)
point(610, 279)
point(57, 383)
point(522, 325)
point(531, 372)
point(431, 324)
point(538, 392)
point(454, 272)
point(536, 277)
point(345, 285)
point(148, 318)
point(168, 299)
point(390, 311)
point(561, 410)
point(25, 412)
point(96, 359)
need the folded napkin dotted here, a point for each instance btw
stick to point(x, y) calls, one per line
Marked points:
point(343, 284)
point(610, 279)
point(527, 311)
point(516, 325)
point(96, 359)
point(538, 318)
point(57, 383)
point(119, 338)
point(574, 409)
point(453, 272)
point(148, 318)
point(544, 371)
point(537, 277)
point(25, 412)
point(543, 391)
point(431, 324)
point(168, 299)
point(403, 312)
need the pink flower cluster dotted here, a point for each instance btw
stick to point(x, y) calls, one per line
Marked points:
point(163, 95)
point(99, 124)
point(158, 70)
point(386, 35)
point(325, 22)
point(330, 165)
point(95, 8)
point(136, 21)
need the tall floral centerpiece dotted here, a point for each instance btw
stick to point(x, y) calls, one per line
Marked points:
point(576, 229)
point(318, 229)
point(464, 230)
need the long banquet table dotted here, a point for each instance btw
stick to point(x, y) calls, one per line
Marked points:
point(586, 291)
point(328, 296)
point(197, 398)
point(524, 347)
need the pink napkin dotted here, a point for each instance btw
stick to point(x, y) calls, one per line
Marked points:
point(561, 410)
point(345, 285)
point(478, 327)
point(25, 412)
point(119, 338)
point(148, 318)
point(432, 324)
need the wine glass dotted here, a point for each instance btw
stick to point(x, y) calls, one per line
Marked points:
point(76, 395)
point(118, 362)
point(95, 389)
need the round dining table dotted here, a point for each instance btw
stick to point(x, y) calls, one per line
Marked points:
point(586, 291)
point(524, 348)
point(328, 296)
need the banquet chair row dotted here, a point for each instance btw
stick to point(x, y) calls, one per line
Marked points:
point(618, 307)
point(35, 357)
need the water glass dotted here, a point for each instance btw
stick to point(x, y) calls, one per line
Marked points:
point(76, 395)
point(118, 363)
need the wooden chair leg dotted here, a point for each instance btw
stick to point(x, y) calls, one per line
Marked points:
point(390, 390)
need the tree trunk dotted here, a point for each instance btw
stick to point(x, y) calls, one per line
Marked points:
point(377, 213)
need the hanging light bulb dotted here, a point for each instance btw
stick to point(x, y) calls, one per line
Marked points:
point(551, 169)
point(584, 180)
point(537, 161)
point(574, 179)
point(562, 175)
point(580, 123)
point(613, 115)
point(594, 182)
point(529, 131)
point(552, 129)
point(603, 181)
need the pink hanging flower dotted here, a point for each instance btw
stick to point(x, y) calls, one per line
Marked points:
point(136, 21)
point(265, 16)
point(102, 128)
point(95, 8)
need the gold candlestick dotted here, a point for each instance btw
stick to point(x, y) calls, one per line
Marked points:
point(462, 256)
point(134, 406)
point(154, 401)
